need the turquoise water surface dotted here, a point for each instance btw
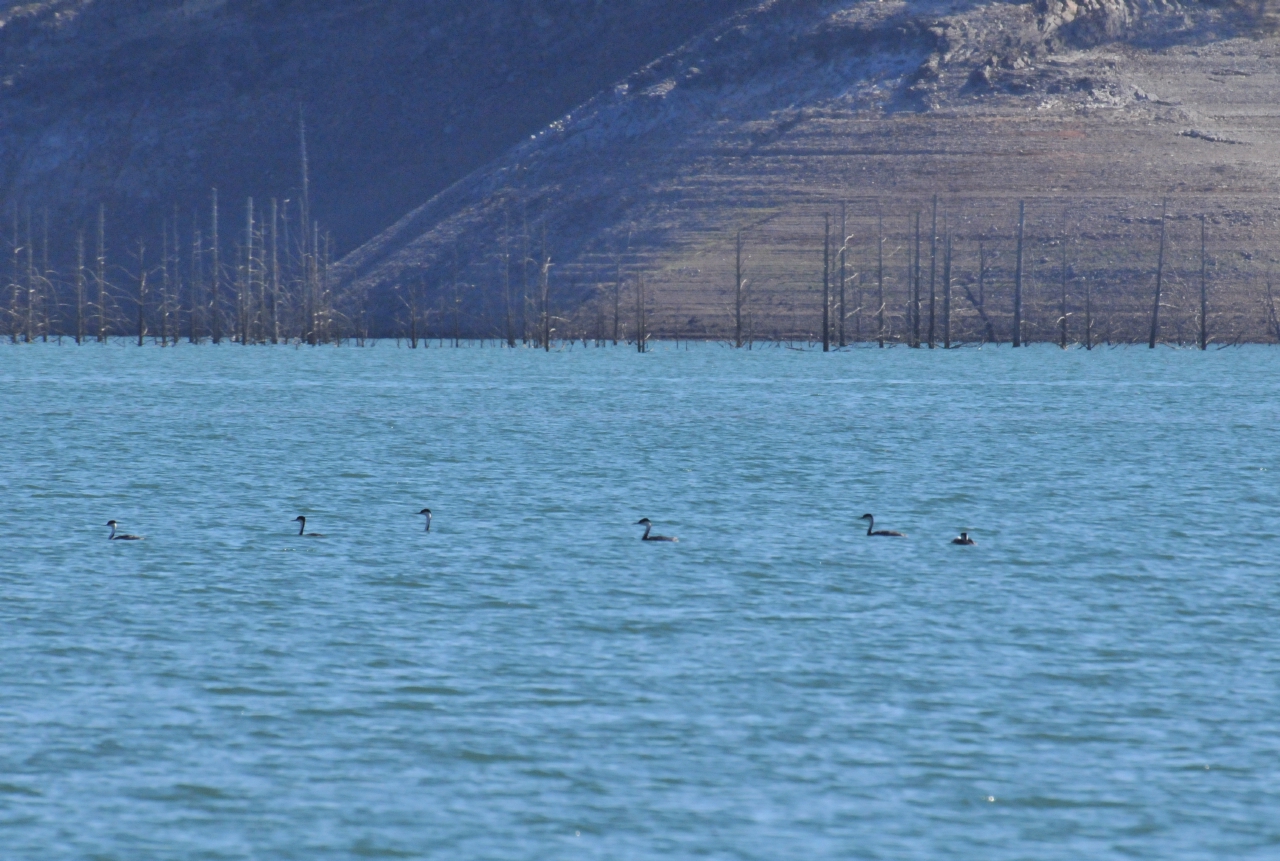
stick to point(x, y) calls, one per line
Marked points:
point(1098, 678)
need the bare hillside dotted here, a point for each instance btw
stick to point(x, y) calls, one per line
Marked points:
point(1093, 113)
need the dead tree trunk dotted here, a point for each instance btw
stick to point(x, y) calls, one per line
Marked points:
point(844, 243)
point(324, 320)
point(414, 312)
point(195, 334)
point(309, 248)
point(164, 282)
point(15, 282)
point(506, 279)
point(525, 261)
point(244, 302)
point(1088, 314)
point(642, 336)
point(737, 295)
point(617, 295)
point(142, 291)
point(946, 294)
point(260, 272)
point(48, 296)
point(215, 280)
point(880, 279)
point(101, 273)
point(1204, 288)
point(311, 290)
point(443, 314)
point(292, 300)
point(1017, 280)
point(982, 287)
point(29, 311)
point(933, 271)
point(46, 278)
point(1155, 308)
point(274, 320)
point(80, 287)
point(915, 289)
point(826, 283)
point(457, 334)
point(175, 298)
point(858, 300)
point(546, 302)
point(1062, 308)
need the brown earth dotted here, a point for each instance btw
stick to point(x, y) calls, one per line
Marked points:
point(1093, 114)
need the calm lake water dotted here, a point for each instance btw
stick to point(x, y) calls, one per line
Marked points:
point(1098, 678)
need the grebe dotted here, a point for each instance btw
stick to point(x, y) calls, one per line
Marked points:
point(427, 513)
point(302, 528)
point(964, 539)
point(871, 528)
point(648, 525)
point(121, 536)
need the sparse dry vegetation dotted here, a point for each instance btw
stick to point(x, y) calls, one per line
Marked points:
point(1101, 108)
point(696, 200)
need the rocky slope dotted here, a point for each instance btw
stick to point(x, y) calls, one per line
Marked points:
point(145, 104)
point(1092, 111)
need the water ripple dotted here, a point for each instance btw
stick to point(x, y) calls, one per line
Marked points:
point(1095, 679)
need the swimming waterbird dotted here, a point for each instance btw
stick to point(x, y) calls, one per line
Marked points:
point(302, 527)
point(122, 536)
point(648, 526)
point(871, 528)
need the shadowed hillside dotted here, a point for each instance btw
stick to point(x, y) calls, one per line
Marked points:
point(145, 105)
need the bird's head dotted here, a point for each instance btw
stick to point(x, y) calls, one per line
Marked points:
point(111, 523)
point(643, 521)
point(299, 519)
point(426, 511)
point(866, 517)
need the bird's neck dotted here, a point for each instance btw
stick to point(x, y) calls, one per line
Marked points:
point(113, 533)
point(302, 526)
point(428, 522)
point(871, 524)
point(647, 527)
